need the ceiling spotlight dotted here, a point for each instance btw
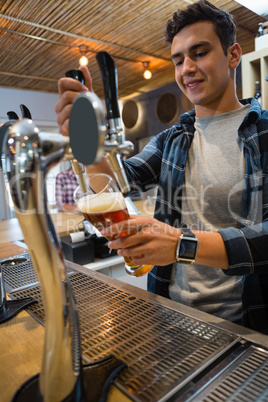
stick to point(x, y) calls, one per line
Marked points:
point(147, 73)
point(83, 61)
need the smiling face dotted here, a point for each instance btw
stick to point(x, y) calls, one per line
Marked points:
point(203, 72)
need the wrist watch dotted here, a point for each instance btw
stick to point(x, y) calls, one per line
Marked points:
point(187, 247)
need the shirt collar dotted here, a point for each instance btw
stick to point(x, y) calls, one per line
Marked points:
point(253, 114)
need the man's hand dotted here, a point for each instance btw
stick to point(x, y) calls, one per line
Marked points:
point(148, 241)
point(69, 88)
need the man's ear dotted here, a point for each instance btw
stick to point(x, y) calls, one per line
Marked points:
point(234, 53)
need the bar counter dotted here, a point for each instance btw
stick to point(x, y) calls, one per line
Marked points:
point(21, 345)
point(65, 222)
point(21, 349)
point(22, 337)
point(157, 329)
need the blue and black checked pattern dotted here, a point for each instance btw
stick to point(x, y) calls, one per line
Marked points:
point(163, 162)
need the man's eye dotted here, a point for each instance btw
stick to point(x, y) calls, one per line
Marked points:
point(200, 54)
point(178, 62)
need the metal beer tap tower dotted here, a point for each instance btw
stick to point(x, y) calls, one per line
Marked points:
point(92, 134)
point(10, 308)
point(29, 155)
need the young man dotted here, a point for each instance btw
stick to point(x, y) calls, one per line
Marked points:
point(211, 172)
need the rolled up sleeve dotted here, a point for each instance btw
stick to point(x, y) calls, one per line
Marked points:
point(247, 249)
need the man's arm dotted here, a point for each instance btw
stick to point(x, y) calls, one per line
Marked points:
point(155, 243)
point(237, 251)
point(211, 250)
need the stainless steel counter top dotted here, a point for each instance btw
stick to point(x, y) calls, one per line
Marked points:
point(171, 349)
point(246, 333)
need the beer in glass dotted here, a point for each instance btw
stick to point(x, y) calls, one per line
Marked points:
point(102, 205)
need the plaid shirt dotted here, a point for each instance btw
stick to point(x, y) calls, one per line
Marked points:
point(163, 162)
point(66, 183)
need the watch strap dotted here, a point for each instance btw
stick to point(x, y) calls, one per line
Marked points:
point(187, 232)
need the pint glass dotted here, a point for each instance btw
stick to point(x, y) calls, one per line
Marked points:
point(102, 205)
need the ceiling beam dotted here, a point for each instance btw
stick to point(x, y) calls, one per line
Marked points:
point(84, 38)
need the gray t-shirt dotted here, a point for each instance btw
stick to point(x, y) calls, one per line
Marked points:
point(211, 199)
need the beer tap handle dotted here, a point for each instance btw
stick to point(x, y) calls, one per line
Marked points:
point(90, 138)
point(114, 153)
point(110, 83)
point(78, 168)
point(76, 74)
point(25, 112)
point(12, 115)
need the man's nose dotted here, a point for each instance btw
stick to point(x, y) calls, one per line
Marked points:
point(189, 66)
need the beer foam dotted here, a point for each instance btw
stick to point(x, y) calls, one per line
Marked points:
point(105, 202)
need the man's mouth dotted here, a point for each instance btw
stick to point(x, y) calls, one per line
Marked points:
point(192, 84)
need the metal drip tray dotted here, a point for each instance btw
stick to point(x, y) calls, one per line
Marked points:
point(164, 349)
point(18, 271)
point(243, 379)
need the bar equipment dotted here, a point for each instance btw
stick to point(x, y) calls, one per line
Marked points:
point(94, 133)
point(12, 115)
point(9, 308)
point(27, 159)
point(172, 352)
point(106, 137)
point(29, 155)
point(25, 112)
point(104, 204)
point(78, 168)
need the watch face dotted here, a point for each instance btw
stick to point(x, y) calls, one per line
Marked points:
point(188, 249)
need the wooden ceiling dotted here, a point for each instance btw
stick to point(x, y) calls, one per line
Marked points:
point(40, 40)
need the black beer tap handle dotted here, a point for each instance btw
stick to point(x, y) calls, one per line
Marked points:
point(109, 77)
point(25, 112)
point(76, 74)
point(12, 115)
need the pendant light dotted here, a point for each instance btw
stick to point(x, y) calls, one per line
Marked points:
point(147, 73)
point(83, 61)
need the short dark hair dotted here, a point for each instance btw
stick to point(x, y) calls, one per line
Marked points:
point(203, 10)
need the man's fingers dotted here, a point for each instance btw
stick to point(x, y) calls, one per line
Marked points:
point(87, 77)
point(129, 226)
